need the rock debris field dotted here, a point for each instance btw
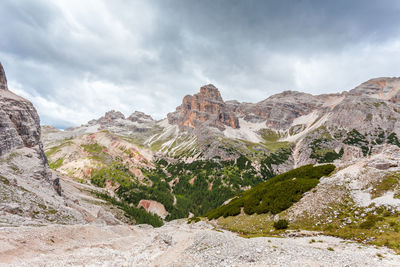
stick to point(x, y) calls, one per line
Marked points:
point(177, 244)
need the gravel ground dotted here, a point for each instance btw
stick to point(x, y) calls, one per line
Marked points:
point(176, 244)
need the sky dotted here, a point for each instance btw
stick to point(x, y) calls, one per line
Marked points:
point(77, 59)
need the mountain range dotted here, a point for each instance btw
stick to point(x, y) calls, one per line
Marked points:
point(213, 158)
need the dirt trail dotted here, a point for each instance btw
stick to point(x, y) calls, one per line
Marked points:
point(176, 244)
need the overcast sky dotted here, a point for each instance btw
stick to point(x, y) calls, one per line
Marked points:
point(77, 59)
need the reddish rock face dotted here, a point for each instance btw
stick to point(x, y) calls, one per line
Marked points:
point(206, 106)
point(3, 79)
point(154, 207)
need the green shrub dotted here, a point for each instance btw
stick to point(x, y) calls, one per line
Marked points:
point(355, 138)
point(140, 216)
point(393, 139)
point(193, 220)
point(281, 224)
point(370, 222)
point(276, 194)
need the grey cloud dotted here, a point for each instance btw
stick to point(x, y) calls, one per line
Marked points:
point(84, 57)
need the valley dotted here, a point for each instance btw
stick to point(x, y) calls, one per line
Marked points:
point(290, 180)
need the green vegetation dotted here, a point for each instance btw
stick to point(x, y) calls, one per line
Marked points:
point(276, 194)
point(98, 152)
point(248, 225)
point(393, 139)
point(56, 149)
point(322, 154)
point(193, 220)
point(388, 182)
point(183, 188)
point(269, 135)
point(276, 158)
point(371, 225)
point(321, 147)
point(139, 216)
point(357, 139)
point(281, 224)
point(116, 173)
point(370, 221)
point(56, 164)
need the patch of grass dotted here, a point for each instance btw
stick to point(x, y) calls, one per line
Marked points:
point(97, 151)
point(116, 173)
point(388, 182)
point(56, 164)
point(51, 151)
point(269, 135)
point(248, 224)
point(370, 221)
point(275, 146)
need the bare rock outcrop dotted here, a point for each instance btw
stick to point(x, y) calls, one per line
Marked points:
point(3, 79)
point(207, 107)
point(382, 88)
point(154, 207)
point(140, 117)
point(19, 121)
point(26, 182)
point(110, 116)
point(279, 110)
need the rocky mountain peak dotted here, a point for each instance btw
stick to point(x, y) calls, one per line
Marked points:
point(3, 79)
point(384, 88)
point(111, 116)
point(210, 92)
point(140, 117)
point(207, 106)
point(19, 121)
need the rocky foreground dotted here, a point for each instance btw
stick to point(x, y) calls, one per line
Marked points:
point(177, 244)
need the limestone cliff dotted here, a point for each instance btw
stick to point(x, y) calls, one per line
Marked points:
point(19, 121)
point(206, 106)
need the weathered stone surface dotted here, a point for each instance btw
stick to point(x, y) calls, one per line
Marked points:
point(154, 207)
point(204, 107)
point(3, 79)
point(19, 121)
point(140, 117)
point(382, 88)
point(279, 110)
point(111, 116)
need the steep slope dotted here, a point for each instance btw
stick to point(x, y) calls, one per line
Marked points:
point(234, 145)
point(204, 107)
point(28, 188)
point(31, 194)
point(359, 200)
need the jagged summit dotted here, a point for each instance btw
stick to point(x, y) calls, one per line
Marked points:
point(19, 121)
point(207, 106)
point(3, 79)
point(384, 88)
point(140, 117)
point(210, 92)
